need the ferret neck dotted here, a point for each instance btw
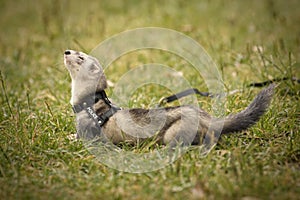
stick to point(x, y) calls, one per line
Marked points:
point(90, 100)
point(87, 104)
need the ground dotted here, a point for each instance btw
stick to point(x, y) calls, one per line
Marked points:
point(248, 40)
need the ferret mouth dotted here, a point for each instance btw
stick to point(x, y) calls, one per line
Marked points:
point(67, 60)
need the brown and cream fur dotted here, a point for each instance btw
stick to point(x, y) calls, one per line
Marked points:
point(185, 124)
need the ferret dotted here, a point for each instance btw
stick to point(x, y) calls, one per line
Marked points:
point(97, 117)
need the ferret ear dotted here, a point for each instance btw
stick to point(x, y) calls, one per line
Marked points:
point(94, 68)
point(103, 82)
point(94, 65)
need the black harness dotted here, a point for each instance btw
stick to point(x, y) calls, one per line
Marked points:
point(87, 105)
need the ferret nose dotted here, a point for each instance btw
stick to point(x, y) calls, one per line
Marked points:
point(67, 52)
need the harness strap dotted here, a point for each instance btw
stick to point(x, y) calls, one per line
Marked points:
point(101, 119)
point(87, 105)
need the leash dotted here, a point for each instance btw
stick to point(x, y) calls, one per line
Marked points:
point(191, 91)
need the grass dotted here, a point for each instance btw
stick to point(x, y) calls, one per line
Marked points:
point(249, 41)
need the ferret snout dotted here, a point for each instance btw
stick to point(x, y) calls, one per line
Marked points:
point(68, 57)
point(71, 57)
point(70, 52)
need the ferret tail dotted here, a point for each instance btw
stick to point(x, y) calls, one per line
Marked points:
point(248, 117)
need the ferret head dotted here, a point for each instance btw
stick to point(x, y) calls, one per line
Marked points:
point(86, 73)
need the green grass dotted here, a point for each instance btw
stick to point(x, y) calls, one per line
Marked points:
point(39, 161)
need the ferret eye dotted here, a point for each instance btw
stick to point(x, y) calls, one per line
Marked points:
point(80, 57)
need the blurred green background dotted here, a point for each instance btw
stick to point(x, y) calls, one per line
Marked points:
point(249, 41)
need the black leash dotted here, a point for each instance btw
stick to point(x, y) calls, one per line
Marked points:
point(191, 91)
point(183, 94)
point(275, 80)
